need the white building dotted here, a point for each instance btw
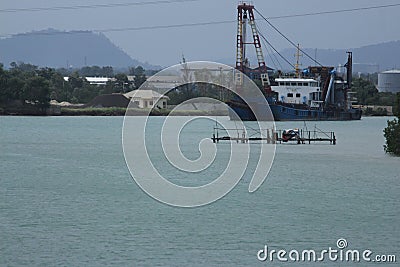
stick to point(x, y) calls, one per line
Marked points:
point(147, 98)
point(95, 80)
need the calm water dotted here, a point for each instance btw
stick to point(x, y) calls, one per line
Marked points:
point(67, 198)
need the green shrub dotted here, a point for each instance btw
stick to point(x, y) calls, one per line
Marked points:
point(392, 135)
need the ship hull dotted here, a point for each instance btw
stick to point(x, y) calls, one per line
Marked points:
point(291, 113)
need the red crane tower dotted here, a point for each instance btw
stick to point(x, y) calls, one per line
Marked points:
point(246, 16)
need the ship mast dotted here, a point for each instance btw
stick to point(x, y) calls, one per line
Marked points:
point(297, 65)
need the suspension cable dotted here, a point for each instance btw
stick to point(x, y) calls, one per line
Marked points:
point(276, 51)
point(292, 43)
point(272, 55)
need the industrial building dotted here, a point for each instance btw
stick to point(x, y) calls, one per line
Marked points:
point(389, 81)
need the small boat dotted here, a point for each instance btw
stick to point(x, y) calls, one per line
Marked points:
point(290, 134)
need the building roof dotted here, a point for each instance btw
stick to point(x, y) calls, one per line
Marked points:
point(146, 94)
point(95, 80)
point(392, 71)
point(165, 79)
point(294, 80)
point(109, 100)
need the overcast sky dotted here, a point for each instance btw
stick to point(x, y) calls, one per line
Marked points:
point(209, 42)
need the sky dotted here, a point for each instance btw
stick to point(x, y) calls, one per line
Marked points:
point(165, 46)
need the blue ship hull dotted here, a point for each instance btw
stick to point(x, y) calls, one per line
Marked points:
point(291, 113)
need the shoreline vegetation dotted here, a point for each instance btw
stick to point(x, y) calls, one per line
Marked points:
point(119, 111)
point(137, 112)
point(112, 111)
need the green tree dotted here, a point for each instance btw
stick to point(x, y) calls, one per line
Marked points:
point(107, 71)
point(4, 92)
point(121, 83)
point(88, 71)
point(37, 91)
point(75, 81)
point(139, 76)
point(367, 94)
point(60, 89)
point(11, 85)
point(16, 88)
point(392, 132)
point(85, 94)
point(396, 108)
point(366, 91)
point(23, 67)
point(392, 135)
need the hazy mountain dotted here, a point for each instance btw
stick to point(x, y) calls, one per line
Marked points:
point(54, 48)
point(371, 58)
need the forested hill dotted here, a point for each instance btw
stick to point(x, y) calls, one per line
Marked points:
point(56, 49)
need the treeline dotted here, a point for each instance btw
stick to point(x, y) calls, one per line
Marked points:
point(194, 90)
point(28, 85)
point(105, 71)
point(367, 93)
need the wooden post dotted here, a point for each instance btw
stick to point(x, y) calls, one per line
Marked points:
point(273, 136)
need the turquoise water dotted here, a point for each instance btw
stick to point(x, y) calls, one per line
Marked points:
point(67, 198)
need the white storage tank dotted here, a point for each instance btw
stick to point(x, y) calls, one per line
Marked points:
point(389, 81)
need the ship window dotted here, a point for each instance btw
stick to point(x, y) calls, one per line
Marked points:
point(293, 84)
point(289, 95)
point(297, 95)
point(305, 84)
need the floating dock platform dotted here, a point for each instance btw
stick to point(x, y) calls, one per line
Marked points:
point(272, 136)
